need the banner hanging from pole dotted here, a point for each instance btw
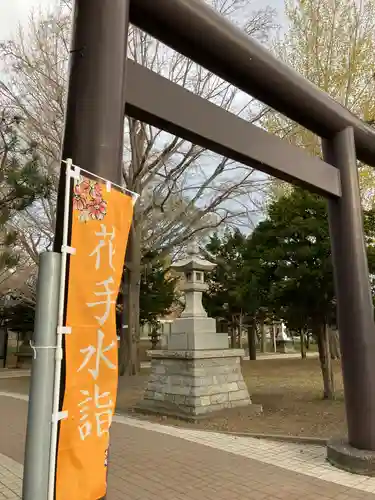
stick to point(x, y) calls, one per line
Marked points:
point(100, 225)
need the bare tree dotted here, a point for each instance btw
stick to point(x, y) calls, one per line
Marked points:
point(33, 85)
point(185, 189)
point(332, 44)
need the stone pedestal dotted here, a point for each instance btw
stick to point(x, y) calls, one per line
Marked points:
point(25, 354)
point(345, 457)
point(194, 384)
point(191, 333)
point(284, 346)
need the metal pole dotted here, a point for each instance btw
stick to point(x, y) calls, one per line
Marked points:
point(38, 435)
point(354, 302)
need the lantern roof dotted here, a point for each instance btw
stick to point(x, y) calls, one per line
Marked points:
point(192, 262)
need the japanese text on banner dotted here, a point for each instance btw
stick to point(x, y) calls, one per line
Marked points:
point(100, 226)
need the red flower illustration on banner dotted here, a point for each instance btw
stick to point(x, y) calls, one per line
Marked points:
point(78, 203)
point(83, 187)
point(98, 209)
point(88, 200)
point(97, 191)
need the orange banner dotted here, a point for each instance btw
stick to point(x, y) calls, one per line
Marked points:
point(101, 222)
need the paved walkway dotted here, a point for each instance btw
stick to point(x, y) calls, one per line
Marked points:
point(155, 462)
point(14, 373)
point(10, 478)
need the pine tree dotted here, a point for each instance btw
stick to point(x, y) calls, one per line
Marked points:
point(21, 184)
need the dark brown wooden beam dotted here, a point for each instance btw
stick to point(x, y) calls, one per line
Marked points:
point(194, 29)
point(164, 104)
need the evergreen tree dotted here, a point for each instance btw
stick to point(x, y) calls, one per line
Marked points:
point(293, 248)
point(157, 291)
point(283, 270)
point(21, 184)
point(236, 291)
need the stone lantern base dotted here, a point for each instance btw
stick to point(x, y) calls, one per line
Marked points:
point(285, 346)
point(194, 384)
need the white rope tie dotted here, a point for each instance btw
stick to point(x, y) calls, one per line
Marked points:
point(35, 348)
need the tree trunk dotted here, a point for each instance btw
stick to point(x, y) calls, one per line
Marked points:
point(129, 363)
point(251, 341)
point(274, 338)
point(230, 336)
point(303, 345)
point(334, 343)
point(308, 338)
point(263, 339)
point(123, 356)
point(325, 362)
point(233, 333)
point(239, 341)
point(133, 315)
point(329, 361)
point(233, 337)
point(337, 344)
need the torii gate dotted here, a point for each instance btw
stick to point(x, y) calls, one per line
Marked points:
point(104, 85)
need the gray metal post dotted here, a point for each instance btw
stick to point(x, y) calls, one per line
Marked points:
point(38, 436)
point(355, 308)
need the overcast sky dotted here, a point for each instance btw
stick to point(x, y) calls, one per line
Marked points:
point(17, 11)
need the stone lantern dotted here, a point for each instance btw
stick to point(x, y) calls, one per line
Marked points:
point(194, 285)
point(194, 330)
point(197, 374)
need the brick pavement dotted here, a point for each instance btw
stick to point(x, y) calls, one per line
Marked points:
point(151, 462)
point(10, 478)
